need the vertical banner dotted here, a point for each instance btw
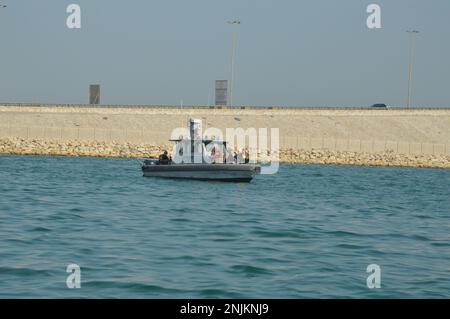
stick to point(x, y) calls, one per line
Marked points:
point(221, 92)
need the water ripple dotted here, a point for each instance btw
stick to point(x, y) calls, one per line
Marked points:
point(308, 231)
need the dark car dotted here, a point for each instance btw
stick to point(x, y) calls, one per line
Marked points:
point(380, 106)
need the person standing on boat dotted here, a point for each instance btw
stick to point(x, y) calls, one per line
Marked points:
point(246, 156)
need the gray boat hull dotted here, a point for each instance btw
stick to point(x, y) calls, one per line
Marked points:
point(206, 172)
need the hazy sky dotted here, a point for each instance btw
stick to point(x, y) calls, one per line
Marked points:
point(290, 52)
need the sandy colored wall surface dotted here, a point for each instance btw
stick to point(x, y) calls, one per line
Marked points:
point(402, 131)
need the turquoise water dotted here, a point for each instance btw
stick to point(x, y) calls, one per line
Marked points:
point(307, 232)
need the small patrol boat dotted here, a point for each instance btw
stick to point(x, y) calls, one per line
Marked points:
point(191, 162)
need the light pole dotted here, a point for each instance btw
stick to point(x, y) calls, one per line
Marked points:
point(233, 53)
point(412, 34)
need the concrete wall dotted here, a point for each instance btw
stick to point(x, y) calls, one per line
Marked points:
point(402, 131)
point(294, 142)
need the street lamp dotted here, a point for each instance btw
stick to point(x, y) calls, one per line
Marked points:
point(412, 34)
point(233, 53)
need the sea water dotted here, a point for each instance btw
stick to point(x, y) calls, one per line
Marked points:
point(309, 231)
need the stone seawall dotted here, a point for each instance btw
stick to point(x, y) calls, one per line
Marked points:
point(21, 146)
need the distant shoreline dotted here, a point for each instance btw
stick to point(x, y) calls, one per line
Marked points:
point(374, 137)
